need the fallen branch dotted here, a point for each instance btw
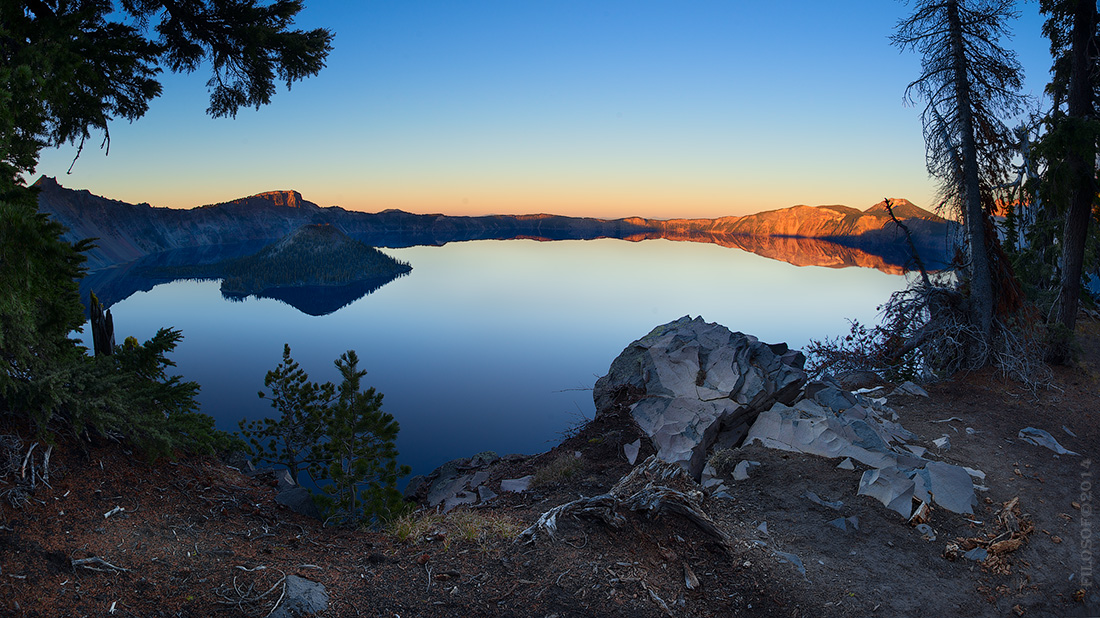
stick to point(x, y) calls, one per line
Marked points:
point(23, 469)
point(909, 240)
point(656, 599)
point(87, 562)
point(245, 599)
point(654, 499)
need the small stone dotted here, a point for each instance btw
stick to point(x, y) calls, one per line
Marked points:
point(835, 505)
point(743, 468)
point(908, 388)
point(631, 451)
point(301, 597)
point(483, 458)
point(300, 501)
point(517, 485)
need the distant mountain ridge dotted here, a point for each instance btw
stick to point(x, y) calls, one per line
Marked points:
point(126, 232)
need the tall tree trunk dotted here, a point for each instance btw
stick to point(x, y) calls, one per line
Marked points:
point(1081, 161)
point(981, 282)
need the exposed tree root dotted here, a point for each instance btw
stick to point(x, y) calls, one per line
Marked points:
point(653, 498)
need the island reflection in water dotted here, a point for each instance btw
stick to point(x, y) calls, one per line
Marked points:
point(489, 345)
point(318, 300)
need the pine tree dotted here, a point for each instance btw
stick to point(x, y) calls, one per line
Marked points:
point(1070, 146)
point(293, 438)
point(338, 436)
point(360, 453)
point(969, 82)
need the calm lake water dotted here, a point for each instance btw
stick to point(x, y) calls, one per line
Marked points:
point(495, 345)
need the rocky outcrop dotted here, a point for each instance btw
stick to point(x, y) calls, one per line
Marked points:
point(695, 387)
point(690, 384)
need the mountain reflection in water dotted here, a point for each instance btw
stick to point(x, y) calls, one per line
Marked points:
point(113, 285)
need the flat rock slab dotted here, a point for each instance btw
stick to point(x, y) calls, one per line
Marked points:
point(833, 423)
point(1039, 437)
point(517, 485)
point(454, 483)
point(631, 451)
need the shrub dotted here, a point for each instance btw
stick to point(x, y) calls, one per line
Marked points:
point(338, 436)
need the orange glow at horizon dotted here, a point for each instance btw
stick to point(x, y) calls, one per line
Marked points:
point(658, 202)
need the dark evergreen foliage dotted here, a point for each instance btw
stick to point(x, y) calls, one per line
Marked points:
point(360, 453)
point(1069, 148)
point(292, 438)
point(39, 308)
point(338, 436)
point(67, 68)
point(313, 255)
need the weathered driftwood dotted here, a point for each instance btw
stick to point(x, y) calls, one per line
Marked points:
point(600, 507)
point(653, 498)
point(103, 328)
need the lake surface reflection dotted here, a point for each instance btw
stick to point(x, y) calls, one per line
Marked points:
point(495, 345)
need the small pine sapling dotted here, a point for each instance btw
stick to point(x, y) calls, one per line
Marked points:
point(292, 439)
point(360, 454)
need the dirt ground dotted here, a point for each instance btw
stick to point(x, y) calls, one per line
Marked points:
point(107, 534)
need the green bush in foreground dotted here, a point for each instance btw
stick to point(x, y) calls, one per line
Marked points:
point(49, 379)
point(338, 436)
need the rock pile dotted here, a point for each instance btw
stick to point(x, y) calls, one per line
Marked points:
point(831, 422)
point(694, 387)
point(462, 481)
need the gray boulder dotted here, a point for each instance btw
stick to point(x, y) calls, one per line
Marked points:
point(690, 383)
point(299, 500)
point(301, 597)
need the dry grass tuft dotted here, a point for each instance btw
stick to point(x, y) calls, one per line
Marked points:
point(459, 525)
point(560, 469)
point(724, 461)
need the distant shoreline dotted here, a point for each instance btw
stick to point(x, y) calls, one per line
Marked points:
point(127, 232)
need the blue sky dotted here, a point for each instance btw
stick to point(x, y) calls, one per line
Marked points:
point(601, 108)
